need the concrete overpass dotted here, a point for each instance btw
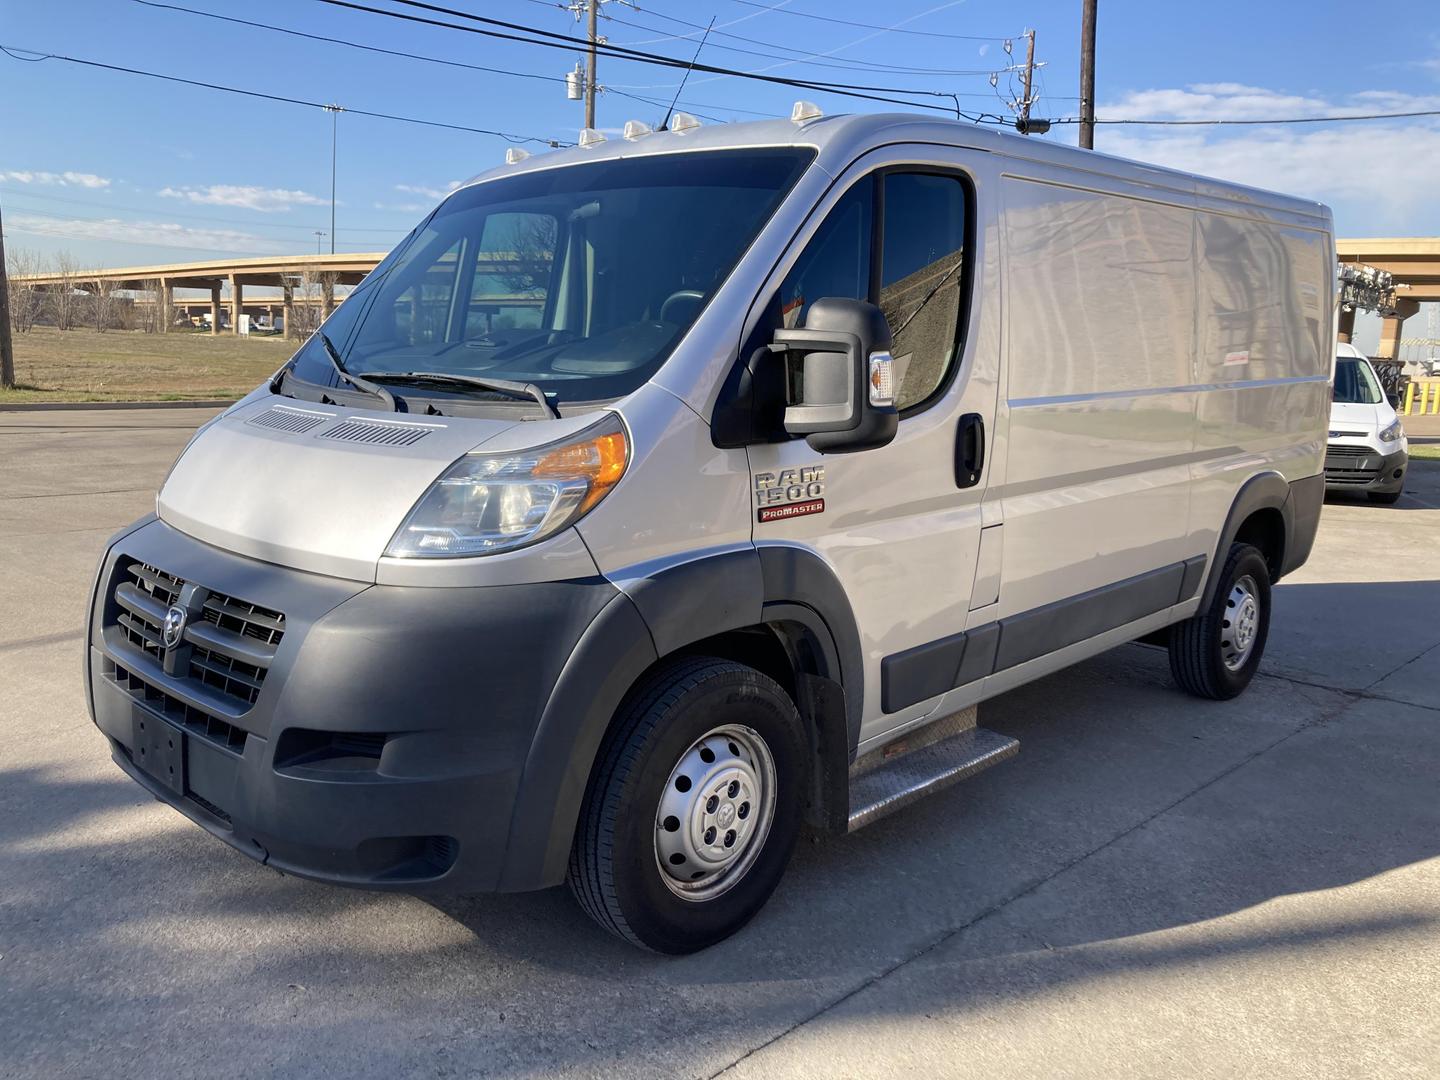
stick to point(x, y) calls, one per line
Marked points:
point(1414, 262)
point(282, 272)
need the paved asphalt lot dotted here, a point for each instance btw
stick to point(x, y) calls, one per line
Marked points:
point(1155, 886)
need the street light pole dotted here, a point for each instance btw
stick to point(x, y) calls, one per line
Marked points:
point(319, 235)
point(334, 111)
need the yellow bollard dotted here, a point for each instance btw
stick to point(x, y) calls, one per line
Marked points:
point(1409, 398)
point(1435, 398)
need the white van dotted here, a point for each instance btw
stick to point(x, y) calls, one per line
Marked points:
point(658, 496)
point(1367, 450)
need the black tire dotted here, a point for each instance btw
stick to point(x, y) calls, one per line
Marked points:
point(1199, 645)
point(1385, 498)
point(615, 870)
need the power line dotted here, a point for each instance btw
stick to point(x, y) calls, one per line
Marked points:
point(777, 10)
point(37, 57)
point(548, 39)
point(1284, 120)
point(352, 44)
point(798, 56)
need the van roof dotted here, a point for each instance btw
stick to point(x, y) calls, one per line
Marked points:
point(1345, 350)
point(838, 140)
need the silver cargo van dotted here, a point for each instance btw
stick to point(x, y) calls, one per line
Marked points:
point(659, 496)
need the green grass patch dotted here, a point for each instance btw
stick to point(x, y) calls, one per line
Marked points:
point(1425, 451)
point(129, 365)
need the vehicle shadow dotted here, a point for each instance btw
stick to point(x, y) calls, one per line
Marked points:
point(1131, 810)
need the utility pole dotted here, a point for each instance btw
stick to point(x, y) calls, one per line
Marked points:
point(1087, 74)
point(7, 355)
point(590, 80)
point(1023, 124)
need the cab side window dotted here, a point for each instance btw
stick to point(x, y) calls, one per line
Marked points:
point(896, 239)
point(922, 263)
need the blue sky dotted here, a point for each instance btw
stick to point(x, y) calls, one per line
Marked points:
point(119, 170)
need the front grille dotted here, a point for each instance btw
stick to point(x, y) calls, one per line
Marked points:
point(1351, 464)
point(228, 644)
point(196, 721)
point(1348, 451)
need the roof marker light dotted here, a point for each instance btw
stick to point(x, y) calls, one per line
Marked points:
point(683, 121)
point(515, 155)
point(634, 129)
point(805, 110)
point(590, 137)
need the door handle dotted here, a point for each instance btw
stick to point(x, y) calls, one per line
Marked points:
point(969, 450)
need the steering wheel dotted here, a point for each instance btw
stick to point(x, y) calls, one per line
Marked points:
point(693, 296)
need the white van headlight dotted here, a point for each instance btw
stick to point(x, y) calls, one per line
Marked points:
point(1392, 433)
point(486, 503)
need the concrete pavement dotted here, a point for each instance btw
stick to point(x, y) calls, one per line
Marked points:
point(1155, 886)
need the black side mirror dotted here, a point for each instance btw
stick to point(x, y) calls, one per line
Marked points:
point(840, 377)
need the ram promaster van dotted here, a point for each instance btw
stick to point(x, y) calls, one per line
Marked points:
point(660, 496)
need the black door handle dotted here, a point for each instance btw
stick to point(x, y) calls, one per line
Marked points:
point(969, 450)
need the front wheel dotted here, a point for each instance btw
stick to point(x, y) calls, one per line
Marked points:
point(1215, 653)
point(694, 807)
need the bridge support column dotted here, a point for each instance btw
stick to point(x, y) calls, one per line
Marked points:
point(1347, 324)
point(215, 308)
point(327, 297)
point(1391, 329)
point(164, 306)
point(289, 291)
point(237, 304)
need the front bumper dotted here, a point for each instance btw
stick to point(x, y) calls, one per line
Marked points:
point(1362, 468)
point(387, 740)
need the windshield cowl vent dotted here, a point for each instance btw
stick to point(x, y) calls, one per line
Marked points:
point(284, 418)
point(377, 432)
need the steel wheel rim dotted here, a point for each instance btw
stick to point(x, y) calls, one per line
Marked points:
point(715, 812)
point(1240, 623)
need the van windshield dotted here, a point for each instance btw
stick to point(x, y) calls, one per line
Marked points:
point(578, 279)
point(1355, 383)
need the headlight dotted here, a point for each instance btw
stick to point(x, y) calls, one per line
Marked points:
point(1393, 432)
point(486, 503)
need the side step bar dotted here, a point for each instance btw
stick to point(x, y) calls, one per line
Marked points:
point(911, 776)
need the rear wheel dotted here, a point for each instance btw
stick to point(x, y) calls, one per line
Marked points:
point(693, 811)
point(1214, 654)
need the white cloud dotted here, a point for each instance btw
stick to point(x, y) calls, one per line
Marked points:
point(429, 192)
point(247, 197)
point(1377, 176)
point(156, 233)
point(51, 179)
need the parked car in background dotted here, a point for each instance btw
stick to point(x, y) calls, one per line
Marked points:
point(1366, 450)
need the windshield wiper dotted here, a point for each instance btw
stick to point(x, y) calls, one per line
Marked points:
point(359, 382)
point(498, 386)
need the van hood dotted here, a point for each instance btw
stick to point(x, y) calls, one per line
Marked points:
point(1355, 419)
point(313, 487)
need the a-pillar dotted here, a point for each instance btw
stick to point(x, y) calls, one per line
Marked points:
point(237, 303)
point(165, 306)
point(1347, 324)
point(289, 291)
point(1391, 328)
point(215, 308)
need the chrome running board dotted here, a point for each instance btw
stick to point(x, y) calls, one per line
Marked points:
point(883, 788)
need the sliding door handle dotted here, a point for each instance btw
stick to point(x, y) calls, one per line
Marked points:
point(969, 450)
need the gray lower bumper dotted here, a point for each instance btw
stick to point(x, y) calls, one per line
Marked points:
point(1369, 472)
point(388, 741)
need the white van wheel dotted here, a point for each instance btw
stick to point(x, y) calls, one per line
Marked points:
point(1215, 653)
point(693, 808)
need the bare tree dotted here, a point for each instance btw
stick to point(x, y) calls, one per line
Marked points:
point(102, 303)
point(308, 299)
point(64, 298)
point(26, 299)
point(150, 316)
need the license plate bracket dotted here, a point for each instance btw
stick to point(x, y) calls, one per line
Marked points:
point(158, 750)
